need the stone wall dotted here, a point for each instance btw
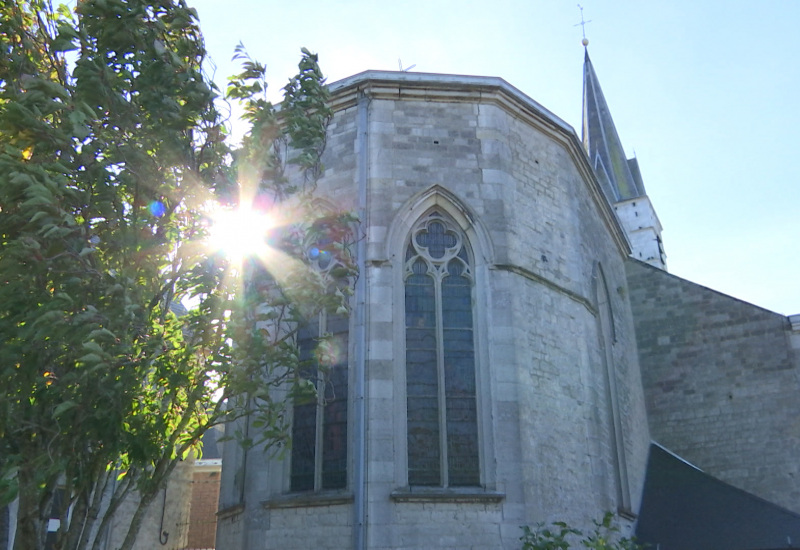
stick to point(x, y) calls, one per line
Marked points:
point(165, 519)
point(550, 455)
point(301, 527)
point(722, 383)
point(523, 194)
point(252, 480)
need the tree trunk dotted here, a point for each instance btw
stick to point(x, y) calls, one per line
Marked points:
point(136, 521)
point(98, 493)
point(77, 518)
point(118, 494)
point(30, 532)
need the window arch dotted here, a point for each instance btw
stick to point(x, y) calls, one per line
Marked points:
point(441, 397)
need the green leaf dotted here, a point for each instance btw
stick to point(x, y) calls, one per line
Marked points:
point(101, 334)
point(49, 317)
point(64, 41)
point(79, 128)
point(91, 358)
point(63, 407)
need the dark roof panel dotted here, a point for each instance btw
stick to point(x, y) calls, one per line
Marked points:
point(602, 142)
point(684, 508)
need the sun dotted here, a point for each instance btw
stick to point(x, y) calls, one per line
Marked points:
point(240, 232)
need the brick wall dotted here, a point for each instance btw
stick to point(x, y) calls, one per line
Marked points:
point(203, 512)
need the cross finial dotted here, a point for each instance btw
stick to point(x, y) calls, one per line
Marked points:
point(585, 41)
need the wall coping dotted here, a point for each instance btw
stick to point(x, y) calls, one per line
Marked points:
point(483, 90)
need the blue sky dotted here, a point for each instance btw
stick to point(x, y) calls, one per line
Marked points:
point(704, 93)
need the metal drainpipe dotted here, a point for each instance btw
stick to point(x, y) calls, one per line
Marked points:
point(359, 408)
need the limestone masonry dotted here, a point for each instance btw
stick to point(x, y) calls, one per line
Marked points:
point(515, 341)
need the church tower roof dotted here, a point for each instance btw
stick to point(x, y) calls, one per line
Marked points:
point(619, 176)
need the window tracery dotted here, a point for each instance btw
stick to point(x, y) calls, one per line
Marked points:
point(440, 357)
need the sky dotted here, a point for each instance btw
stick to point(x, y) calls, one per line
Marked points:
point(703, 93)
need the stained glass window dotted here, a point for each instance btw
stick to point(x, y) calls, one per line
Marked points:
point(440, 358)
point(319, 426)
point(304, 426)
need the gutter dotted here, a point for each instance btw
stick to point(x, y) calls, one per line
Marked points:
point(359, 394)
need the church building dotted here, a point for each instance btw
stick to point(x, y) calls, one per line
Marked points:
point(517, 352)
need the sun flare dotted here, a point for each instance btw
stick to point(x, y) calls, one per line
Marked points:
point(240, 232)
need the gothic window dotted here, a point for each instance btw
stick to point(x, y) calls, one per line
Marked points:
point(319, 427)
point(440, 357)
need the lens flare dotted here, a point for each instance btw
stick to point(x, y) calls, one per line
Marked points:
point(240, 232)
point(157, 208)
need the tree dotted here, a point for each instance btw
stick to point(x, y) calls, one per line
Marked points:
point(112, 153)
point(561, 536)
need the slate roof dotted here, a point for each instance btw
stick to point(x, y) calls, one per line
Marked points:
point(683, 508)
point(602, 142)
point(212, 448)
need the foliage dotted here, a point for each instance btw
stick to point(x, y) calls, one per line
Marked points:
point(560, 536)
point(111, 150)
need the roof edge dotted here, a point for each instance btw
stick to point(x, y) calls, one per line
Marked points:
point(448, 87)
point(424, 80)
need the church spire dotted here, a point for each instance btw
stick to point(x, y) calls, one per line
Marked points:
point(620, 177)
point(617, 173)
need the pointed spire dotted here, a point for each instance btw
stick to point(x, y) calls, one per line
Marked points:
point(602, 142)
point(620, 177)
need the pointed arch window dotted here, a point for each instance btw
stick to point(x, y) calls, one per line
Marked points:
point(442, 419)
point(319, 425)
point(319, 428)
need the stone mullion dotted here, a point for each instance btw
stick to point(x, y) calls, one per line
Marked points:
point(320, 416)
point(443, 458)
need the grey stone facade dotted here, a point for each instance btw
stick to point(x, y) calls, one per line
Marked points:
point(582, 355)
point(515, 180)
point(722, 382)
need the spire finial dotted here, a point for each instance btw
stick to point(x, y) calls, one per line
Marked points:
point(585, 40)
